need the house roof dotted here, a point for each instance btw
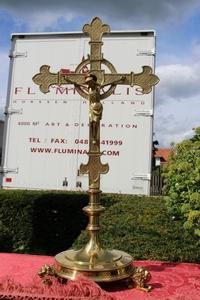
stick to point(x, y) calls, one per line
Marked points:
point(163, 154)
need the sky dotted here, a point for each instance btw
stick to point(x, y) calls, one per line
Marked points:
point(177, 25)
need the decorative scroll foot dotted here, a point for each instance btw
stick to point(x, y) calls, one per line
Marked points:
point(139, 279)
point(47, 273)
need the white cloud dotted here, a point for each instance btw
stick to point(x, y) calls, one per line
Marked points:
point(38, 21)
point(121, 13)
point(174, 120)
point(177, 82)
point(178, 99)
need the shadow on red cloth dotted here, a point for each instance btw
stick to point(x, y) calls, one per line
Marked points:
point(122, 285)
point(161, 267)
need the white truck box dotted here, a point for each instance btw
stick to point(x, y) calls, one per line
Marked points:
point(46, 135)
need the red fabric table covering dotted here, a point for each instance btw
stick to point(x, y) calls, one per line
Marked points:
point(170, 281)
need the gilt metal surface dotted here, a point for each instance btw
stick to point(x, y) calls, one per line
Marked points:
point(146, 79)
point(92, 260)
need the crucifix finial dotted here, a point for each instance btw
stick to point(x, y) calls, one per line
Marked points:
point(96, 29)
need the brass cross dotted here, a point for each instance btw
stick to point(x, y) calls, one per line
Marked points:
point(93, 260)
point(91, 88)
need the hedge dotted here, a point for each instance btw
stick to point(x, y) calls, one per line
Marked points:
point(142, 227)
point(40, 222)
point(49, 222)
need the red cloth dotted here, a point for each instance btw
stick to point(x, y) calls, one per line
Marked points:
point(170, 281)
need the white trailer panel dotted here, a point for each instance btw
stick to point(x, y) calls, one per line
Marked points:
point(46, 135)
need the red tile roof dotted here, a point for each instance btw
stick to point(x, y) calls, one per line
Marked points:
point(163, 153)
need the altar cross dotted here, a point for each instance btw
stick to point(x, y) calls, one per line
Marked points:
point(90, 86)
point(93, 260)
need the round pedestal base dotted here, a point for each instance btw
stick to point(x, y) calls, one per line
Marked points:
point(104, 266)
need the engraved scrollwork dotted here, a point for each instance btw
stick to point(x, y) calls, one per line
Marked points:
point(94, 168)
point(45, 79)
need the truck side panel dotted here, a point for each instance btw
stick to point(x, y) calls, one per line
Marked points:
point(47, 134)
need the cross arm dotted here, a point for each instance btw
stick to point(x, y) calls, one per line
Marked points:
point(145, 79)
point(45, 78)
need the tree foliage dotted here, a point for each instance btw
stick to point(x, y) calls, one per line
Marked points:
point(182, 182)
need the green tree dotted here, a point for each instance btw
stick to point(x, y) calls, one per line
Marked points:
point(182, 182)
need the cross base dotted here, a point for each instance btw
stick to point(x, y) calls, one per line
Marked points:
point(110, 265)
point(118, 266)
